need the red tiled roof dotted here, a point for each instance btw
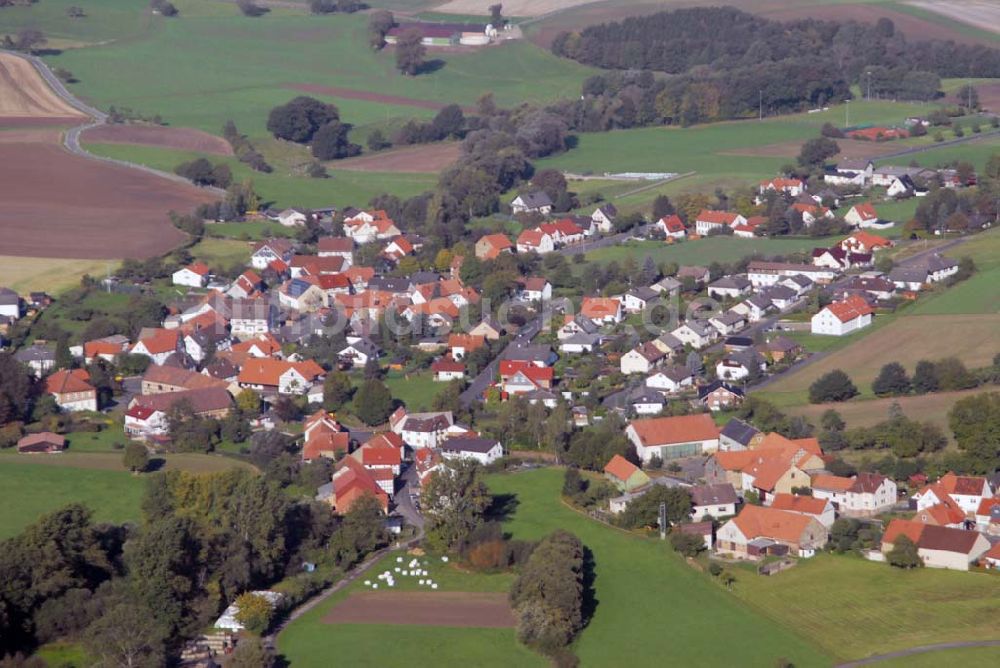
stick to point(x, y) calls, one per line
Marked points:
point(672, 223)
point(763, 522)
point(799, 504)
point(599, 307)
point(160, 341)
point(267, 371)
point(898, 527)
point(67, 381)
point(849, 309)
point(832, 483)
point(620, 468)
point(866, 210)
point(718, 217)
point(678, 429)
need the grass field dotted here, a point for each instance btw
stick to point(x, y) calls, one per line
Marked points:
point(707, 250)
point(33, 489)
point(310, 642)
point(981, 292)
point(974, 339)
point(211, 64)
point(51, 275)
point(651, 606)
point(853, 608)
point(283, 188)
point(976, 152)
point(215, 252)
point(709, 149)
point(966, 657)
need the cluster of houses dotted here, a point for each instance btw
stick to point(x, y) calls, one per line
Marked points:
point(775, 497)
point(897, 181)
point(372, 463)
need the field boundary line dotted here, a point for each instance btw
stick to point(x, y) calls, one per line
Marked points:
point(925, 649)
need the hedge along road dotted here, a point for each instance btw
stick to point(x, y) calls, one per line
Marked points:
point(71, 139)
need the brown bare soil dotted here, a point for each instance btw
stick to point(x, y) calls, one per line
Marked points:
point(24, 94)
point(56, 204)
point(183, 139)
point(424, 608)
point(983, 14)
point(989, 96)
point(426, 158)
point(849, 148)
point(367, 96)
point(29, 134)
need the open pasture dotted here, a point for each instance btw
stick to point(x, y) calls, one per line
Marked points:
point(456, 609)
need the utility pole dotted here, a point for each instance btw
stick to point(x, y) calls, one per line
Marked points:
point(760, 105)
point(662, 521)
point(847, 113)
point(869, 86)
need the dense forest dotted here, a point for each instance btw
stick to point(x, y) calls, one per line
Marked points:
point(728, 62)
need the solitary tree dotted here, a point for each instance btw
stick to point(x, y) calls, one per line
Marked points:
point(136, 457)
point(816, 151)
point(833, 386)
point(410, 51)
point(903, 553)
point(891, 381)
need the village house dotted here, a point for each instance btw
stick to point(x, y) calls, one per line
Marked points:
point(157, 344)
point(739, 365)
point(785, 185)
point(490, 247)
point(272, 250)
point(252, 317)
point(44, 442)
point(668, 285)
point(146, 415)
point(671, 226)
point(462, 345)
point(603, 219)
point(874, 287)
point(642, 359)
point(531, 202)
point(602, 310)
point(367, 227)
point(842, 317)
point(738, 435)
point(301, 294)
point(839, 258)
point(72, 390)
point(342, 247)
point(749, 229)
point(535, 241)
point(195, 275)
point(764, 274)
point(447, 369)
point(864, 495)
point(246, 284)
point(358, 351)
point(564, 232)
point(759, 531)
point(937, 546)
point(865, 242)
point(812, 212)
point(715, 501)
point(352, 481)
point(968, 492)
point(673, 437)
point(535, 289)
point(728, 323)
point(423, 430)
point(644, 401)
point(670, 379)
point(637, 299)
point(160, 379)
point(855, 172)
point(10, 304)
point(773, 465)
point(730, 287)
point(483, 450)
point(862, 215)
point(709, 220)
point(821, 510)
point(489, 329)
point(720, 396)
point(625, 475)
point(270, 376)
point(39, 357)
point(696, 333)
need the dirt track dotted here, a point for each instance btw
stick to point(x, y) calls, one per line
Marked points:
point(424, 608)
point(23, 94)
point(423, 159)
point(182, 139)
point(56, 204)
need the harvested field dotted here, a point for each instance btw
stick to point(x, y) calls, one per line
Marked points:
point(982, 15)
point(511, 7)
point(974, 339)
point(30, 135)
point(367, 96)
point(59, 205)
point(181, 139)
point(931, 408)
point(484, 610)
point(428, 158)
point(989, 96)
point(849, 148)
point(25, 95)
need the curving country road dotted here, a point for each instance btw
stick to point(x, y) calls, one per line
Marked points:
point(96, 117)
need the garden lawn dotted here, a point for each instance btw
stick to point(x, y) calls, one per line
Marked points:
point(308, 641)
point(652, 607)
point(416, 390)
point(855, 608)
point(31, 490)
point(707, 250)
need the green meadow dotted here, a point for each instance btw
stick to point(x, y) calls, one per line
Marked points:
point(707, 250)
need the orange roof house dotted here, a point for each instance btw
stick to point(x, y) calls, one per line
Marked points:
point(492, 245)
point(865, 242)
point(757, 529)
point(624, 474)
point(846, 310)
point(351, 481)
point(601, 309)
point(670, 437)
